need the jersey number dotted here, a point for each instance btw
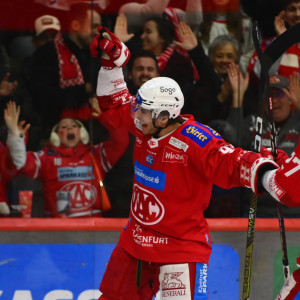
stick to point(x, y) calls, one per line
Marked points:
point(295, 160)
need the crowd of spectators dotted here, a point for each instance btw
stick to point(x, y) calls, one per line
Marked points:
point(47, 70)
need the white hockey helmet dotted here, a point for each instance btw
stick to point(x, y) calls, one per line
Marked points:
point(161, 94)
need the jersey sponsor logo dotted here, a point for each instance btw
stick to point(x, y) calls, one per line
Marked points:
point(172, 156)
point(81, 195)
point(207, 240)
point(138, 141)
point(77, 173)
point(178, 144)
point(175, 282)
point(167, 90)
point(201, 281)
point(212, 131)
point(274, 186)
point(149, 160)
point(148, 177)
point(117, 82)
point(151, 152)
point(51, 152)
point(145, 206)
point(147, 240)
point(197, 134)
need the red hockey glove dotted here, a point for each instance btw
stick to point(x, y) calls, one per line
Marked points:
point(108, 47)
point(252, 167)
point(291, 288)
point(280, 158)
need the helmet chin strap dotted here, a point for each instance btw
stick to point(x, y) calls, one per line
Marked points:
point(158, 128)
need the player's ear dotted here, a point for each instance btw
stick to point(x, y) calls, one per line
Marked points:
point(163, 118)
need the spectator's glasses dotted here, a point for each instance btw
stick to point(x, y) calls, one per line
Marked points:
point(277, 93)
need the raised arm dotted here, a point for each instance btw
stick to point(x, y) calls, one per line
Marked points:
point(189, 42)
point(15, 137)
point(293, 93)
point(121, 30)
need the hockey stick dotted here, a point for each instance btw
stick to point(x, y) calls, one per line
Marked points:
point(252, 209)
point(267, 59)
point(285, 261)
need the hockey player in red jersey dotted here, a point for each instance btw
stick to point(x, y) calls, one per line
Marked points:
point(281, 183)
point(71, 170)
point(166, 243)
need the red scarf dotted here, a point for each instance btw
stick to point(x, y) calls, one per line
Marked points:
point(289, 61)
point(70, 73)
point(162, 60)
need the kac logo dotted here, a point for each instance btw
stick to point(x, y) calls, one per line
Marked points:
point(145, 206)
point(149, 160)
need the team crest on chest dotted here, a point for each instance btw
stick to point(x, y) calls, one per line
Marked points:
point(145, 206)
point(153, 143)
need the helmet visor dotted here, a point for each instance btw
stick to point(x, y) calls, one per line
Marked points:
point(134, 106)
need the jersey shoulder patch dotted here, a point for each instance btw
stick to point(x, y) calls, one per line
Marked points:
point(212, 131)
point(51, 152)
point(199, 133)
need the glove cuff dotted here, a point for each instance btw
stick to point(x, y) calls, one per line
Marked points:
point(258, 168)
point(124, 57)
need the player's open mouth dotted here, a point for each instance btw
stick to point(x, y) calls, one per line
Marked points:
point(70, 136)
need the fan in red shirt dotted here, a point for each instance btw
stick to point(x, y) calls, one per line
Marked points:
point(71, 170)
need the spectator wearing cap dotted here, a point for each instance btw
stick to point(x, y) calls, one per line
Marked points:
point(46, 28)
point(287, 130)
point(287, 120)
point(61, 74)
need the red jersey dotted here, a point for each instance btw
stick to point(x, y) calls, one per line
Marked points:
point(285, 180)
point(173, 180)
point(70, 172)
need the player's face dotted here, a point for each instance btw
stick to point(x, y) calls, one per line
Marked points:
point(151, 39)
point(143, 69)
point(69, 133)
point(222, 56)
point(144, 117)
point(292, 13)
point(281, 105)
point(88, 28)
